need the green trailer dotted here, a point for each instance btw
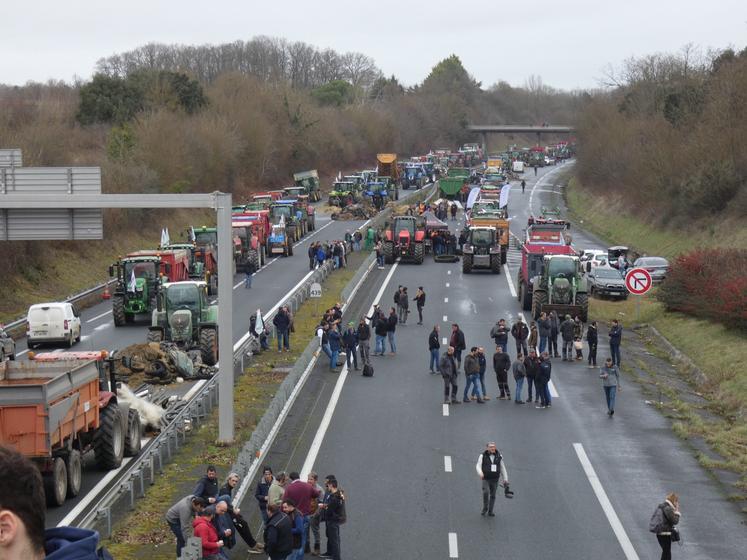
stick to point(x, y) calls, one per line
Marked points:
point(309, 180)
point(458, 172)
point(450, 186)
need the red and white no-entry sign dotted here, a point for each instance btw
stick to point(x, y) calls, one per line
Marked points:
point(638, 281)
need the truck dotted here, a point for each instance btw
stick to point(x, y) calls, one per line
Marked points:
point(496, 218)
point(56, 407)
point(405, 238)
point(387, 167)
point(139, 275)
point(309, 180)
point(202, 261)
point(539, 240)
point(561, 287)
point(451, 187)
point(185, 317)
point(482, 250)
point(261, 214)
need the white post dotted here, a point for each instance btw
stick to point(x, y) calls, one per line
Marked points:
point(223, 204)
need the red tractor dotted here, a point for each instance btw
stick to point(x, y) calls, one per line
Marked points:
point(249, 239)
point(405, 238)
point(541, 240)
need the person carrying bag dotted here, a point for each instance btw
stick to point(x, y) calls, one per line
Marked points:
point(663, 521)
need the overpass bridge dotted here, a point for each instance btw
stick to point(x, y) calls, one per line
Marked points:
point(484, 129)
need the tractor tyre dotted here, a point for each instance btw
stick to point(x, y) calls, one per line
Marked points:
point(495, 264)
point(118, 311)
point(518, 283)
point(504, 255)
point(155, 336)
point(132, 437)
point(209, 346)
point(466, 264)
point(539, 298)
point(262, 255)
point(255, 261)
point(419, 253)
point(74, 467)
point(55, 483)
point(108, 441)
point(388, 250)
point(525, 297)
point(213, 285)
point(582, 299)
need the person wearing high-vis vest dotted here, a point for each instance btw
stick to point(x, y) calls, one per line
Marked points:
point(492, 471)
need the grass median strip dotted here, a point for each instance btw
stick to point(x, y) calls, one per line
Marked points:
point(144, 533)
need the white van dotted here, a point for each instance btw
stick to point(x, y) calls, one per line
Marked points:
point(517, 166)
point(53, 322)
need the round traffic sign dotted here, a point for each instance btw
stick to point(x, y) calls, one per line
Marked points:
point(638, 281)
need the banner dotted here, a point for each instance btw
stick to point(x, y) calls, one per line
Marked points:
point(503, 202)
point(473, 194)
point(133, 283)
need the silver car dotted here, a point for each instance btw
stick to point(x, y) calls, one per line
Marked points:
point(606, 281)
point(658, 267)
point(7, 346)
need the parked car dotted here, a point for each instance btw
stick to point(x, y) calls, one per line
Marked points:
point(606, 281)
point(53, 322)
point(7, 346)
point(658, 267)
point(593, 258)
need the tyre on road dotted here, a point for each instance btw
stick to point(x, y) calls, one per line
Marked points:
point(582, 299)
point(495, 264)
point(74, 466)
point(132, 437)
point(419, 253)
point(388, 250)
point(108, 441)
point(466, 264)
point(118, 311)
point(539, 298)
point(55, 483)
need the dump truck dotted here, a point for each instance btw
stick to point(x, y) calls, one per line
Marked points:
point(56, 407)
point(309, 180)
point(387, 167)
point(496, 218)
point(405, 238)
point(203, 264)
point(185, 317)
point(450, 187)
point(482, 250)
point(561, 287)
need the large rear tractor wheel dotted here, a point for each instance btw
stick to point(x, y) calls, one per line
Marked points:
point(388, 250)
point(213, 285)
point(118, 311)
point(495, 264)
point(255, 261)
point(466, 264)
point(55, 483)
point(419, 253)
point(209, 346)
point(582, 299)
point(132, 437)
point(74, 467)
point(108, 441)
point(539, 299)
point(263, 255)
point(155, 336)
point(525, 297)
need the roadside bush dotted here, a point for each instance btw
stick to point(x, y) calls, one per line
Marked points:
point(710, 284)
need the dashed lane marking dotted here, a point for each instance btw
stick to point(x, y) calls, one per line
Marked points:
point(445, 409)
point(447, 463)
point(445, 319)
point(97, 317)
point(447, 285)
point(453, 546)
point(446, 300)
point(444, 341)
point(448, 272)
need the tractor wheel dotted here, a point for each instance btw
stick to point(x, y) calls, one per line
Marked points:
point(495, 264)
point(255, 261)
point(539, 298)
point(108, 441)
point(582, 299)
point(466, 264)
point(55, 483)
point(132, 437)
point(118, 311)
point(504, 253)
point(518, 283)
point(155, 336)
point(525, 297)
point(74, 468)
point(262, 255)
point(388, 250)
point(209, 346)
point(419, 253)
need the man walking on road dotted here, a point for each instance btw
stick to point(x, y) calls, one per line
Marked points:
point(350, 342)
point(523, 185)
point(501, 365)
point(472, 375)
point(531, 368)
point(567, 328)
point(419, 300)
point(458, 343)
point(615, 340)
point(403, 305)
point(610, 377)
point(492, 471)
point(381, 328)
point(554, 330)
point(544, 328)
point(483, 366)
point(334, 347)
point(448, 369)
point(434, 345)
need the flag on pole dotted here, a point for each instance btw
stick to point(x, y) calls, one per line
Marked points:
point(503, 202)
point(133, 283)
point(259, 326)
point(164, 237)
point(192, 236)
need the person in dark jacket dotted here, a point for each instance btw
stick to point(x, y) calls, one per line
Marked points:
point(543, 381)
point(391, 328)
point(567, 328)
point(234, 514)
point(364, 337)
point(297, 528)
point(458, 342)
point(499, 333)
point(447, 368)
point(312, 255)
point(282, 325)
point(615, 340)
point(419, 300)
point(501, 365)
point(472, 375)
point(334, 516)
point(520, 374)
point(263, 487)
point(207, 486)
point(381, 329)
point(520, 332)
point(434, 345)
point(554, 330)
point(492, 471)
point(531, 367)
point(403, 305)
point(544, 329)
point(335, 342)
point(278, 534)
point(592, 339)
point(670, 516)
point(350, 343)
point(578, 334)
point(483, 366)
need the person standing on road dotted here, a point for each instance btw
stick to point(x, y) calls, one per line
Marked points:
point(459, 344)
point(302, 493)
point(434, 345)
point(234, 514)
point(248, 273)
point(276, 491)
point(567, 328)
point(316, 515)
point(544, 375)
point(483, 366)
point(492, 471)
point(364, 337)
point(531, 368)
point(499, 333)
point(615, 340)
point(419, 300)
point(610, 377)
point(501, 365)
point(663, 522)
point(554, 330)
point(278, 535)
point(391, 329)
point(263, 489)
point(592, 339)
point(520, 332)
point(335, 342)
point(381, 330)
point(449, 372)
point(312, 255)
point(282, 326)
point(350, 342)
point(404, 305)
point(578, 335)
point(544, 328)
point(379, 255)
point(334, 516)
point(472, 375)
point(520, 373)
point(453, 211)
point(533, 336)
point(523, 185)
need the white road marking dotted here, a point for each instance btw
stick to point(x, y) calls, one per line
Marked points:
point(453, 547)
point(445, 409)
point(447, 463)
point(553, 390)
point(444, 341)
point(511, 287)
point(609, 511)
point(448, 272)
point(100, 327)
point(447, 285)
point(97, 317)
point(446, 300)
point(445, 319)
point(22, 352)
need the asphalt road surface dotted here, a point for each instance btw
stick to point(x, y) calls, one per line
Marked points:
point(585, 484)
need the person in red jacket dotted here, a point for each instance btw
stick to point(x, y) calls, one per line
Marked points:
point(204, 528)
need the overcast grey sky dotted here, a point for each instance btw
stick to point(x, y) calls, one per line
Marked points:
point(568, 43)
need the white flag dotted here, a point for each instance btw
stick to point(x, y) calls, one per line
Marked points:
point(259, 326)
point(133, 283)
point(164, 237)
point(473, 194)
point(192, 236)
point(503, 202)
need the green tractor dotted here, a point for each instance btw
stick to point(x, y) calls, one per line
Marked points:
point(341, 194)
point(309, 180)
point(185, 317)
point(482, 250)
point(138, 297)
point(561, 288)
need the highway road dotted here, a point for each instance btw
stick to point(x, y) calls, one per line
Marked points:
point(586, 484)
point(270, 285)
